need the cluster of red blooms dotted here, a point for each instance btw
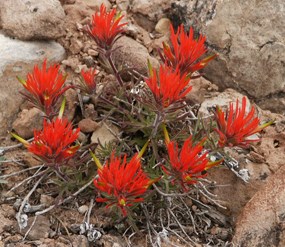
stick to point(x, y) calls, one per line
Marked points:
point(188, 165)
point(236, 127)
point(124, 184)
point(45, 86)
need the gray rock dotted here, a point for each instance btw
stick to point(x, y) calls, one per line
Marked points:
point(32, 19)
point(19, 63)
point(249, 37)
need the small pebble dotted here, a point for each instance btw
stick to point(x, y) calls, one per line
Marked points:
point(83, 209)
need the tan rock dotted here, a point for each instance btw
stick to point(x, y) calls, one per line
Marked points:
point(163, 26)
point(27, 122)
point(105, 134)
point(131, 54)
point(262, 221)
point(87, 125)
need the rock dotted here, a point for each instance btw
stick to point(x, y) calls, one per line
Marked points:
point(201, 88)
point(75, 46)
point(262, 220)
point(41, 228)
point(4, 219)
point(32, 19)
point(222, 99)
point(46, 200)
point(95, 4)
point(83, 209)
point(87, 125)
point(109, 240)
point(18, 63)
point(79, 240)
point(71, 103)
point(163, 26)
point(249, 38)
point(105, 134)
point(27, 122)
point(71, 62)
point(148, 12)
point(129, 53)
point(123, 5)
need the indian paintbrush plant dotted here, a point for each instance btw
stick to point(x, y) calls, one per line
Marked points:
point(175, 155)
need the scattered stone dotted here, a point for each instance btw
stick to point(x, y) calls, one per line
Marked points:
point(32, 19)
point(108, 240)
point(28, 54)
point(83, 209)
point(82, 138)
point(105, 134)
point(163, 26)
point(148, 12)
point(250, 58)
point(262, 220)
point(46, 200)
point(40, 229)
point(27, 122)
point(92, 52)
point(95, 4)
point(71, 62)
point(71, 103)
point(87, 125)
point(200, 90)
point(222, 99)
point(5, 221)
point(132, 54)
point(123, 5)
point(75, 46)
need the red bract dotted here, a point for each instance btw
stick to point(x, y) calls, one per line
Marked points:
point(89, 83)
point(106, 28)
point(185, 51)
point(122, 183)
point(53, 144)
point(45, 86)
point(188, 164)
point(168, 86)
point(236, 127)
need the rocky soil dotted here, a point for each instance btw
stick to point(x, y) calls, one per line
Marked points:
point(249, 39)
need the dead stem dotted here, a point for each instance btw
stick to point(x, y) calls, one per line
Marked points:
point(170, 195)
point(8, 148)
point(38, 173)
point(19, 172)
point(31, 227)
point(66, 199)
point(18, 215)
point(181, 227)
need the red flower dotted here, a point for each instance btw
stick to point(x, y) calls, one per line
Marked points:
point(168, 86)
point(188, 165)
point(89, 83)
point(54, 143)
point(105, 27)
point(236, 128)
point(45, 86)
point(122, 183)
point(185, 51)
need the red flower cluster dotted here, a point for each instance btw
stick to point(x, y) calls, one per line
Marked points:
point(185, 51)
point(106, 28)
point(188, 165)
point(45, 86)
point(236, 127)
point(168, 86)
point(122, 183)
point(89, 83)
point(54, 143)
